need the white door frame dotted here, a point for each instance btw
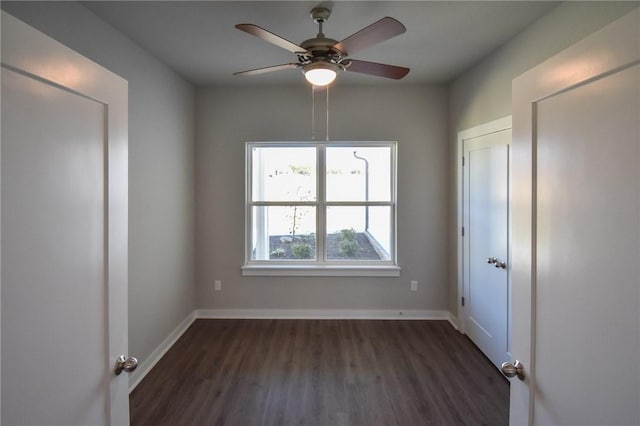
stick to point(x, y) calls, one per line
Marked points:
point(585, 61)
point(31, 53)
point(494, 126)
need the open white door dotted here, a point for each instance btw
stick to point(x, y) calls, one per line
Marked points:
point(64, 234)
point(576, 233)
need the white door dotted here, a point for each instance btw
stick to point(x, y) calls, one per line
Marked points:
point(576, 233)
point(64, 234)
point(486, 254)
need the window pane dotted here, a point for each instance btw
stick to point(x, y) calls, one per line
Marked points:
point(283, 233)
point(358, 173)
point(283, 174)
point(359, 233)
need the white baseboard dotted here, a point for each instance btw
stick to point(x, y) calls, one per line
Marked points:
point(149, 362)
point(453, 320)
point(374, 314)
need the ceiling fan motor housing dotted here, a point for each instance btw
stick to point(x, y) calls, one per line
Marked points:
point(320, 49)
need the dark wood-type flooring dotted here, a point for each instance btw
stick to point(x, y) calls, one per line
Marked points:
point(322, 372)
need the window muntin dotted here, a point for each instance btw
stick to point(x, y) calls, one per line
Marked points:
point(321, 204)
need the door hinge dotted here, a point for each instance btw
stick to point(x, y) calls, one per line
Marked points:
point(462, 300)
point(462, 231)
point(462, 161)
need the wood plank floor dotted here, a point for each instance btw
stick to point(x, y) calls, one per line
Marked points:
point(322, 372)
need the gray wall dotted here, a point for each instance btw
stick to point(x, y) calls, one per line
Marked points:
point(483, 93)
point(161, 168)
point(415, 116)
point(423, 119)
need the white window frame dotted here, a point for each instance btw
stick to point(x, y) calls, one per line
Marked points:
point(320, 266)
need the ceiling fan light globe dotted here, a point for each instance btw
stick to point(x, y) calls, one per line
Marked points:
point(320, 76)
point(320, 73)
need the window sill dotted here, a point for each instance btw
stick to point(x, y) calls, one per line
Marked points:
point(321, 271)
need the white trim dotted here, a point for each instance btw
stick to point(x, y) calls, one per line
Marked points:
point(321, 271)
point(480, 130)
point(453, 320)
point(145, 366)
point(486, 128)
point(320, 266)
point(361, 314)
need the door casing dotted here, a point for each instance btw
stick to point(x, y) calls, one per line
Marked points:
point(30, 53)
point(494, 126)
point(607, 52)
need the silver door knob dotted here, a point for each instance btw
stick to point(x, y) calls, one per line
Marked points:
point(500, 264)
point(513, 370)
point(125, 364)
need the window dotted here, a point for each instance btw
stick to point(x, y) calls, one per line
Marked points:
point(321, 208)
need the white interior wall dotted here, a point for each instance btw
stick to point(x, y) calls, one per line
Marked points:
point(483, 93)
point(161, 172)
point(415, 116)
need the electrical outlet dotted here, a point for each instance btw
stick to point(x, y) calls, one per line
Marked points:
point(217, 285)
point(414, 285)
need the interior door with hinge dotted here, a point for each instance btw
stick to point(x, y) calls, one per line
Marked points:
point(64, 234)
point(576, 234)
point(486, 243)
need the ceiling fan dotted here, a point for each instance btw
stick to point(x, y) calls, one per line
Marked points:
point(321, 58)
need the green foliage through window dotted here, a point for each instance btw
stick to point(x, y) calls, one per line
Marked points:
point(301, 251)
point(348, 242)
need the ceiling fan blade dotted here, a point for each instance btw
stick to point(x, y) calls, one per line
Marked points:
point(374, 68)
point(379, 31)
point(266, 69)
point(270, 37)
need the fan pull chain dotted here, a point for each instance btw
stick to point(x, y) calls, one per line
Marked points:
point(313, 112)
point(327, 139)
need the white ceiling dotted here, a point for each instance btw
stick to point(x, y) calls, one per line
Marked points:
point(198, 39)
